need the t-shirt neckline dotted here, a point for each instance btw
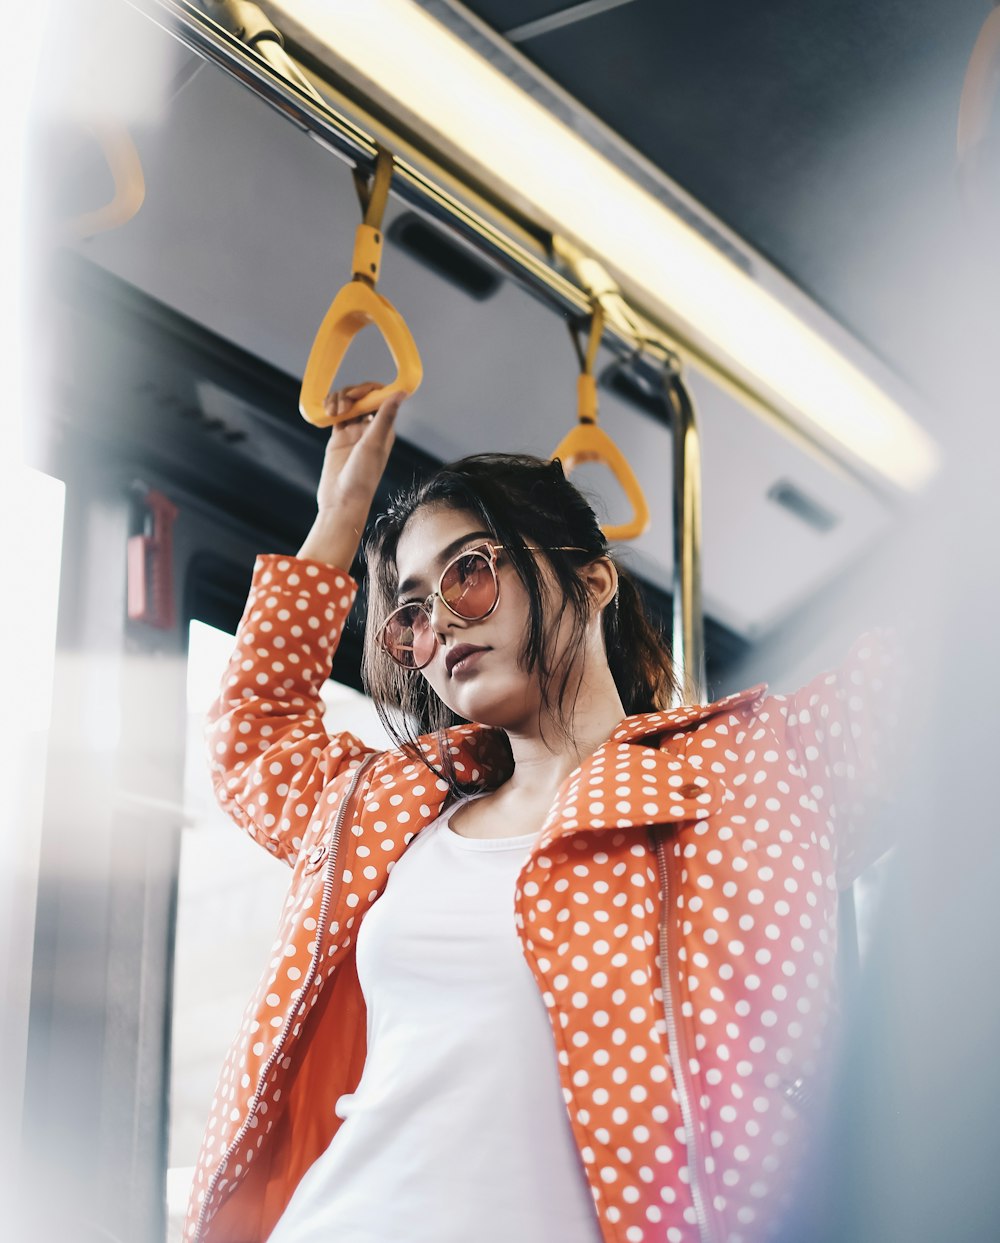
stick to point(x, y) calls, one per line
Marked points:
point(481, 843)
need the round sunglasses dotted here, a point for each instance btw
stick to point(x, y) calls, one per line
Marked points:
point(468, 587)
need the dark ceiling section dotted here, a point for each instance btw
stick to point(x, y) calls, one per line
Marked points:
point(822, 131)
point(504, 15)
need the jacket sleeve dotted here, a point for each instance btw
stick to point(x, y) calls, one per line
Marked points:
point(270, 756)
point(842, 730)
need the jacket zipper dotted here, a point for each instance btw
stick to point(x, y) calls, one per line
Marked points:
point(702, 1210)
point(324, 910)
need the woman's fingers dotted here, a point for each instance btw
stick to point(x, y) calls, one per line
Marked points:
point(380, 420)
point(367, 433)
point(378, 429)
point(385, 416)
point(339, 402)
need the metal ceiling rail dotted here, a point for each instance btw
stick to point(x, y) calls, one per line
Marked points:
point(538, 271)
point(633, 337)
point(188, 23)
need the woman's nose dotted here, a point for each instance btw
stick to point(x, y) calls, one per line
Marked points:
point(440, 615)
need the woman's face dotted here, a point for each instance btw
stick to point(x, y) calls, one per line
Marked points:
point(490, 687)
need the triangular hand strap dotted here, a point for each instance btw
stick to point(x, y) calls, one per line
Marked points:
point(975, 110)
point(129, 182)
point(356, 306)
point(587, 442)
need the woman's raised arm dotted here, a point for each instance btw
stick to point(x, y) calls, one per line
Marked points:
point(270, 756)
point(355, 459)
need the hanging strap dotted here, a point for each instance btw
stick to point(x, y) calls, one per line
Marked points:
point(373, 195)
point(586, 385)
point(586, 442)
point(357, 305)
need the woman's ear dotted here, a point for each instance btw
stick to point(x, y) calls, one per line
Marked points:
point(601, 577)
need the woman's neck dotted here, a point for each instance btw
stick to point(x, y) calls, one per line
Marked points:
point(544, 756)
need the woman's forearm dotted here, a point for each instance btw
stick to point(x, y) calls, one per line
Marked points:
point(334, 537)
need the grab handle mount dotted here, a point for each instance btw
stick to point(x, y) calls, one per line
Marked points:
point(586, 442)
point(356, 306)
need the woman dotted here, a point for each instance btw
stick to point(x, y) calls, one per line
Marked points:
point(559, 966)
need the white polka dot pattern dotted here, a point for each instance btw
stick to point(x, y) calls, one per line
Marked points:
point(753, 795)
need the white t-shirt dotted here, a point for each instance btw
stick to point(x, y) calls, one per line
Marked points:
point(458, 1129)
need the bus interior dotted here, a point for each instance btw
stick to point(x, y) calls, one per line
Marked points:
point(754, 216)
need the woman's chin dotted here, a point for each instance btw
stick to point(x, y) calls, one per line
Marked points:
point(494, 713)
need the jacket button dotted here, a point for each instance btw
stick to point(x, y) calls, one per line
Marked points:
point(691, 790)
point(797, 1093)
point(316, 857)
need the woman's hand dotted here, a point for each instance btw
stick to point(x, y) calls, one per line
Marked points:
point(358, 449)
point(354, 461)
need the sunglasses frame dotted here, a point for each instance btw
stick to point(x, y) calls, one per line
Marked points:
point(490, 556)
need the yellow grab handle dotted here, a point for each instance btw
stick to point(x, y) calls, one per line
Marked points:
point(586, 442)
point(980, 87)
point(129, 184)
point(354, 307)
point(586, 398)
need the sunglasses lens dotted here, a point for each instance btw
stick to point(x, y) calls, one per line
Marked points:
point(469, 586)
point(408, 637)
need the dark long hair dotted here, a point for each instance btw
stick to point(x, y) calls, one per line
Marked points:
point(522, 500)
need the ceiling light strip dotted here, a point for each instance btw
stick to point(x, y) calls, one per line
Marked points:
point(345, 138)
point(479, 117)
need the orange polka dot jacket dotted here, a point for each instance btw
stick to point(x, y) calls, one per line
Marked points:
point(678, 913)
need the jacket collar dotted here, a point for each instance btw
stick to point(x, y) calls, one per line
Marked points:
point(668, 786)
point(480, 742)
point(652, 724)
point(664, 785)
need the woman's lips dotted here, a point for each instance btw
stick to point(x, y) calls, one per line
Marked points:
point(468, 661)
